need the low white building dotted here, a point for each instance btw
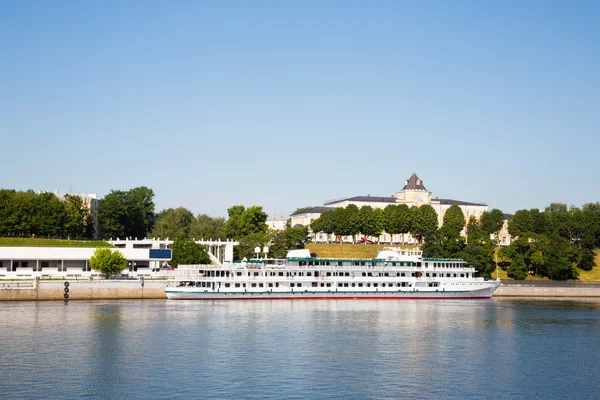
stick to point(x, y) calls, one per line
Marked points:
point(70, 262)
point(277, 223)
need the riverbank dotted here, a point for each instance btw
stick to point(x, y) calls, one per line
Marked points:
point(38, 290)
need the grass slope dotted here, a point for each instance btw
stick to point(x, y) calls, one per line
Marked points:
point(28, 242)
point(594, 274)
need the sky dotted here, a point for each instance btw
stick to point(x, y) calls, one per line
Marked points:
point(290, 104)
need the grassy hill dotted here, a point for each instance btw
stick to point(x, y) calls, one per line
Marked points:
point(28, 242)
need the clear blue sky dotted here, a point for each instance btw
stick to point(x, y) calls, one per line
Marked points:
point(289, 104)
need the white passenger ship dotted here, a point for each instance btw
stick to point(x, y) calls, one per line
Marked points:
point(394, 274)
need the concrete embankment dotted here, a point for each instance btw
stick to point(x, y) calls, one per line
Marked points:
point(548, 289)
point(82, 289)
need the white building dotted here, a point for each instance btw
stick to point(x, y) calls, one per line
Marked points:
point(220, 251)
point(412, 194)
point(277, 223)
point(69, 262)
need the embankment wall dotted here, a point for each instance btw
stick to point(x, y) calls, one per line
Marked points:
point(86, 290)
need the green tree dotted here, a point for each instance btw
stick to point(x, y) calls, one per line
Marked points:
point(171, 222)
point(107, 262)
point(425, 222)
point(247, 244)
point(127, 214)
point(518, 268)
point(188, 252)
point(325, 223)
point(78, 221)
point(492, 221)
point(206, 227)
point(454, 219)
point(243, 222)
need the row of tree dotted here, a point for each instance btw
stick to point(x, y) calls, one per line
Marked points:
point(27, 213)
point(248, 226)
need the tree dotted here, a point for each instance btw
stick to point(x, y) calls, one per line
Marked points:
point(171, 222)
point(492, 221)
point(188, 252)
point(248, 243)
point(454, 219)
point(127, 214)
point(206, 227)
point(243, 222)
point(517, 269)
point(77, 217)
point(108, 262)
point(325, 223)
point(520, 223)
point(425, 222)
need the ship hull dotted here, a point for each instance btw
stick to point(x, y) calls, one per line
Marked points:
point(195, 294)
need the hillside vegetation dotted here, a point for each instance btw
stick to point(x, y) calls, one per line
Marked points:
point(28, 242)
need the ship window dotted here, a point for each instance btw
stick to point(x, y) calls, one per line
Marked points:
point(402, 274)
point(298, 285)
point(315, 284)
point(339, 284)
point(413, 274)
point(353, 284)
point(368, 285)
point(270, 284)
point(227, 285)
point(375, 284)
point(329, 274)
point(339, 264)
point(393, 264)
point(309, 274)
point(243, 284)
point(292, 284)
point(345, 284)
point(239, 274)
point(383, 285)
point(347, 274)
point(329, 285)
point(455, 275)
point(362, 263)
point(254, 285)
point(448, 275)
point(322, 284)
point(462, 275)
point(369, 274)
point(237, 285)
point(360, 285)
point(256, 274)
point(281, 274)
point(364, 274)
point(434, 275)
point(386, 274)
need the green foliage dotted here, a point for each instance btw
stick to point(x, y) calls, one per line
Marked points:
point(171, 222)
point(127, 214)
point(425, 222)
point(454, 220)
point(188, 252)
point(371, 221)
point(517, 269)
point(243, 222)
point(287, 239)
point(492, 221)
point(108, 262)
point(32, 214)
point(206, 227)
point(247, 244)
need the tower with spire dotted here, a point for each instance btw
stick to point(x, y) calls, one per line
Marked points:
point(414, 192)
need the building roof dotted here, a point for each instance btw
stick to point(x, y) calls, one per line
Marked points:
point(373, 199)
point(414, 183)
point(459, 202)
point(313, 210)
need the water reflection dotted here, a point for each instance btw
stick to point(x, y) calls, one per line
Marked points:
point(300, 349)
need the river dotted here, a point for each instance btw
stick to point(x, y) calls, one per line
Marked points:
point(496, 349)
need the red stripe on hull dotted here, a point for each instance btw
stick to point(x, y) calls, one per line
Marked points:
point(334, 298)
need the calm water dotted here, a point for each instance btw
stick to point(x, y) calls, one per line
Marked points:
point(517, 349)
